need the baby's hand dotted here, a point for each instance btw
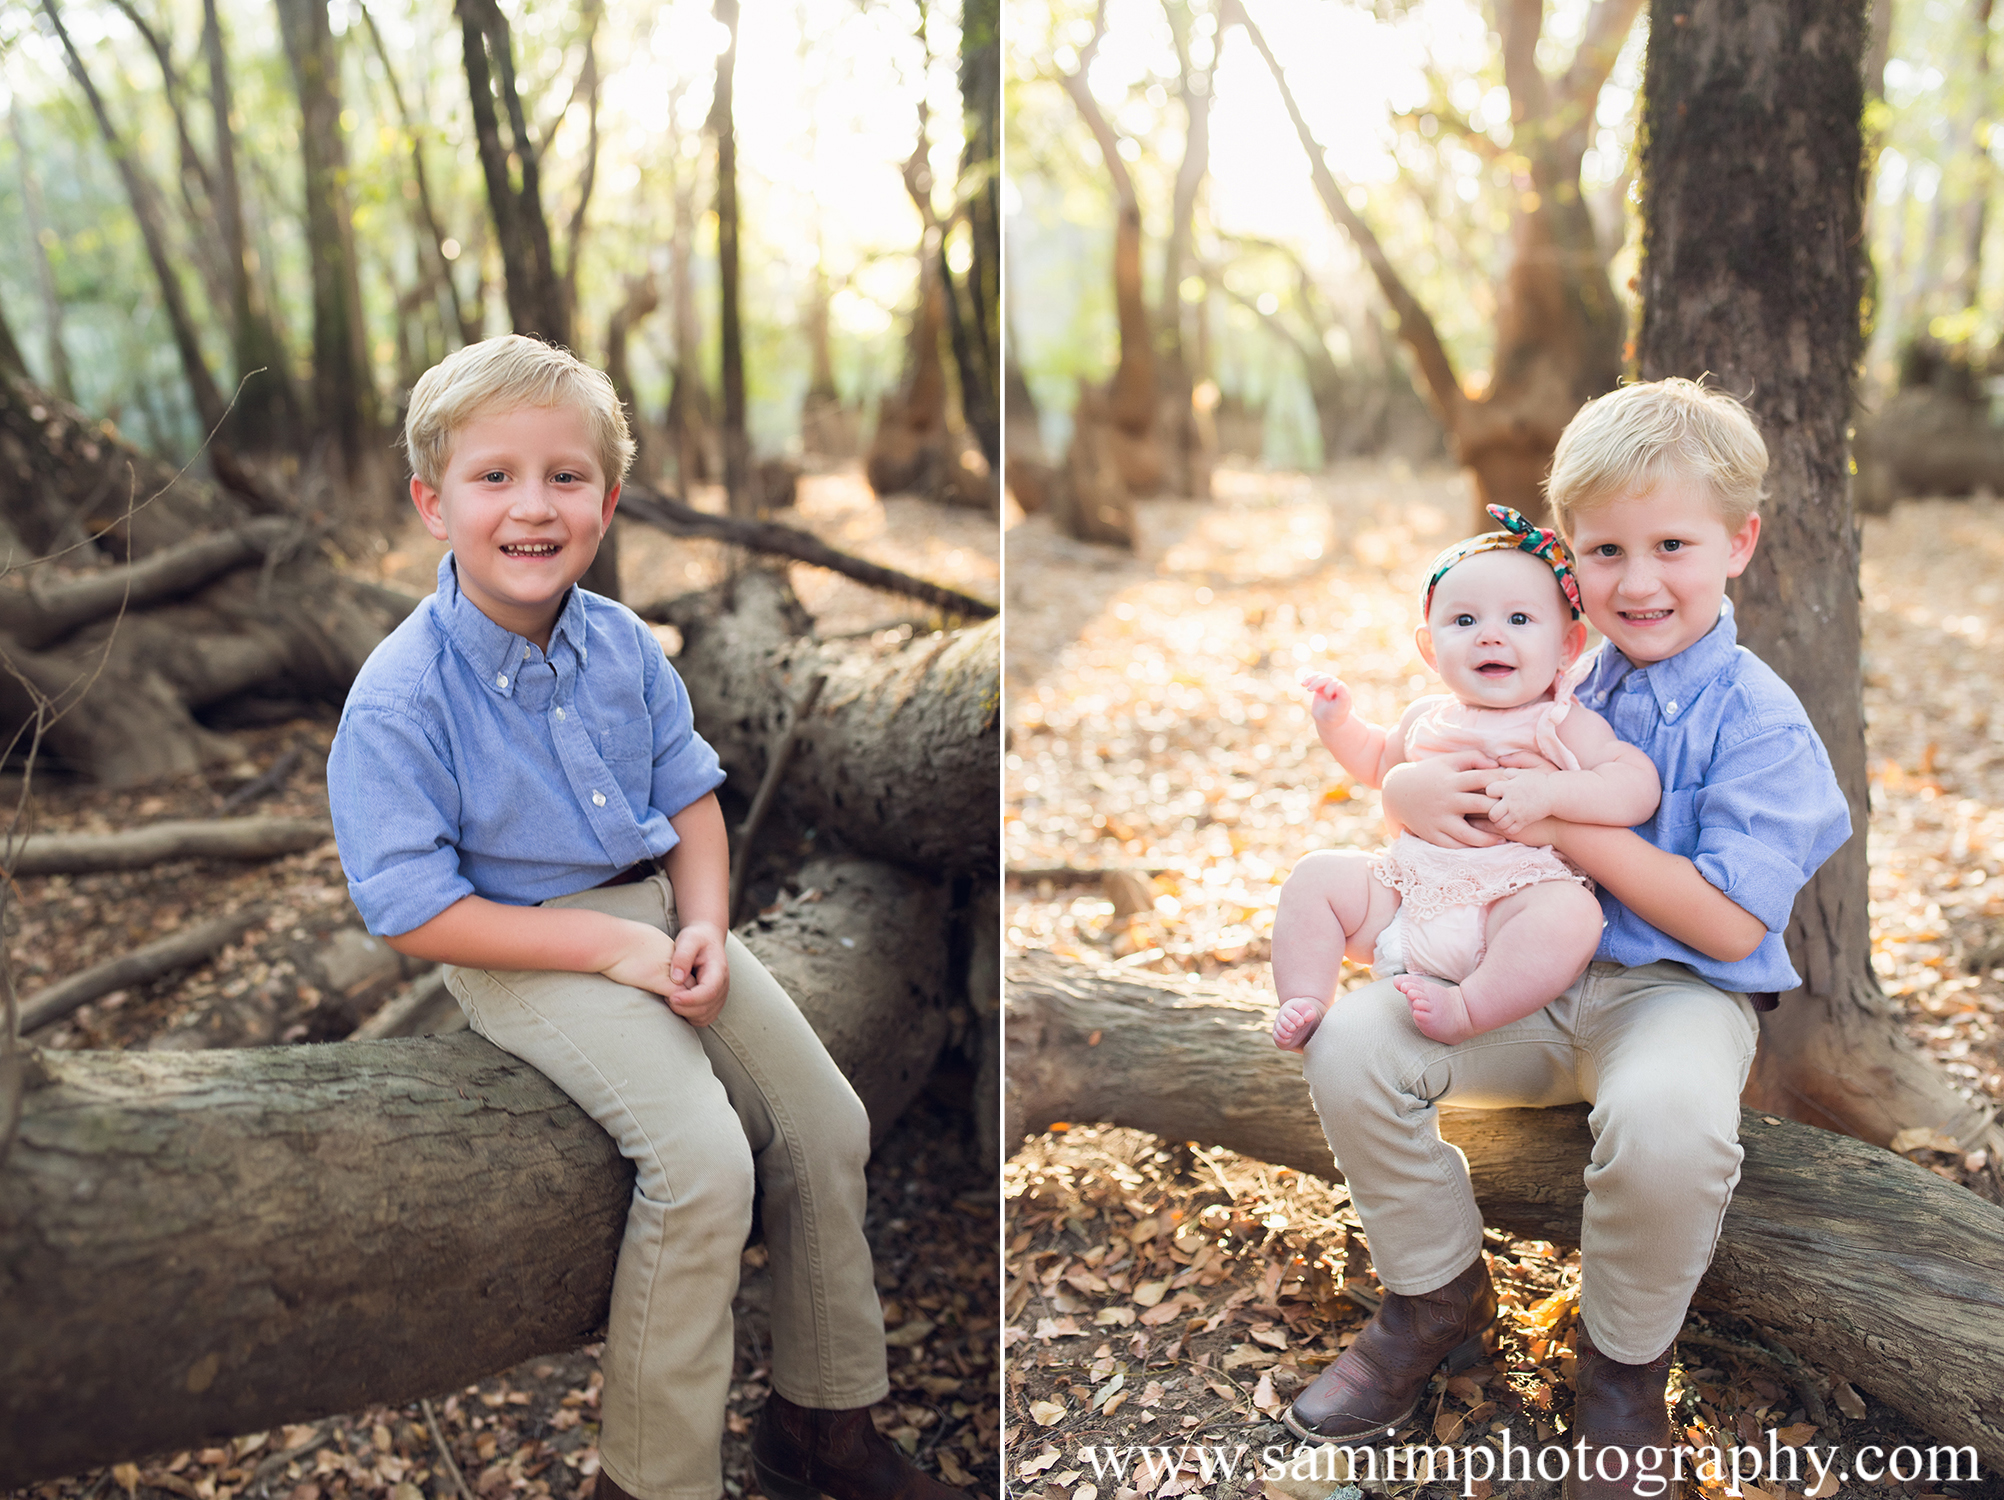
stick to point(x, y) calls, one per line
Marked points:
point(1331, 702)
point(1522, 798)
point(699, 973)
point(1296, 1023)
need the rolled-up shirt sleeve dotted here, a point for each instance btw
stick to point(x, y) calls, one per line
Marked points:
point(685, 766)
point(1760, 848)
point(396, 812)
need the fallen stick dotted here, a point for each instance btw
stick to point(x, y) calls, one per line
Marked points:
point(769, 537)
point(263, 785)
point(1868, 1264)
point(775, 769)
point(425, 1009)
point(157, 843)
point(175, 951)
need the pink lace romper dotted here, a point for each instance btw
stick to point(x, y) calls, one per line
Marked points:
point(1445, 893)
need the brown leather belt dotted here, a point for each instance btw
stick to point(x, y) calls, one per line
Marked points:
point(631, 873)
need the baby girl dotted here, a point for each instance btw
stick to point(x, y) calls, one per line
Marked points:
point(1505, 928)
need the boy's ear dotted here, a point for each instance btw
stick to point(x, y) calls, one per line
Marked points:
point(426, 499)
point(611, 504)
point(1740, 545)
point(1423, 638)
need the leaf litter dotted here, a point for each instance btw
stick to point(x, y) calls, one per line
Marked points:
point(1161, 778)
point(530, 1431)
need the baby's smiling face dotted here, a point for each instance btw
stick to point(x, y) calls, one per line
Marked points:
point(1500, 631)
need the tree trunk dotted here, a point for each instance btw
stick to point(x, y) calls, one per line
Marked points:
point(344, 392)
point(977, 315)
point(1189, 448)
point(1900, 1293)
point(403, 1216)
point(900, 757)
point(210, 408)
point(60, 381)
point(688, 419)
point(1116, 455)
point(465, 318)
point(737, 441)
point(1028, 471)
point(1749, 86)
point(267, 413)
point(534, 292)
point(1558, 325)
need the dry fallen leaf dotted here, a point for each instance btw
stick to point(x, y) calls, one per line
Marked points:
point(1848, 1400)
point(1032, 1466)
point(1263, 1395)
point(1047, 1413)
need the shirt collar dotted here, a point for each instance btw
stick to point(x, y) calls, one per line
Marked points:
point(497, 654)
point(1676, 682)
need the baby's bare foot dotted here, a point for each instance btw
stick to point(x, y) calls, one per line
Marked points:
point(1438, 1009)
point(1296, 1023)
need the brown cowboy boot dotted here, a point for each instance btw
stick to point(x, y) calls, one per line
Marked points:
point(608, 1488)
point(1622, 1447)
point(800, 1452)
point(1377, 1382)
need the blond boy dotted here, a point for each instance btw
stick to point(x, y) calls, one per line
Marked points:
point(1655, 486)
point(519, 793)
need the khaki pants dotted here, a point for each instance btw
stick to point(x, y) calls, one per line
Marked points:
point(705, 1115)
point(1659, 1054)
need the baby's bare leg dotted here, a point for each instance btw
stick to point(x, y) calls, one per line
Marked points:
point(1536, 942)
point(1331, 905)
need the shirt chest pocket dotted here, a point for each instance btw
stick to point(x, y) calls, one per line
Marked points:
point(627, 743)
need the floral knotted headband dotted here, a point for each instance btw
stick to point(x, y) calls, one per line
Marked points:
point(1518, 535)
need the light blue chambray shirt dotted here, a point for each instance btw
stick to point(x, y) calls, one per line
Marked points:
point(1748, 793)
point(470, 763)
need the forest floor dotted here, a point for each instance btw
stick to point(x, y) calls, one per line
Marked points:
point(1163, 1296)
point(307, 973)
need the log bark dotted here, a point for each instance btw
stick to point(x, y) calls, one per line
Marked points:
point(1864, 1262)
point(900, 757)
point(155, 844)
point(200, 1244)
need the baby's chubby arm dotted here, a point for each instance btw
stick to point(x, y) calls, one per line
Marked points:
point(1616, 785)
point(1364, 749)
point(689, 970)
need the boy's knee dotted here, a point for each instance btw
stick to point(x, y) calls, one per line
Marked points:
point(1360, 1031)
point(712, 1173)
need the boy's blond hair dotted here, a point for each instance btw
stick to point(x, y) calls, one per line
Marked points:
point(1634, 438)
point(503, 374)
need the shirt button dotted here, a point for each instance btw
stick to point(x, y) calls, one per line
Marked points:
point(598, 799)
point(501, 679)
point(1671, 706)
point(560, 716)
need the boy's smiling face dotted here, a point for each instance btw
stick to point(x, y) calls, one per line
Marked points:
point(524, 502)
point(1653, 566)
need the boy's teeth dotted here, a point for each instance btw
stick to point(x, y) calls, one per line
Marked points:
point(530, 549)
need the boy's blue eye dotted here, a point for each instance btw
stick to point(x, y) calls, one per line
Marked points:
point(1607, 549)
point(1672, 545)
point(493, 476)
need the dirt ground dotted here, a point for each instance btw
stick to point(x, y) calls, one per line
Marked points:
point(1163, 1296)
point(306, 972)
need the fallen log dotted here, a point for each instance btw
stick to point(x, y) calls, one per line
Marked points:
point(199, 1244)
point(898, 758)
point(157, 843)
point(1864, 1262)
point(175, 951)
point(643, 504)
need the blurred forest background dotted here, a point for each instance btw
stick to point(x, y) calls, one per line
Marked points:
point(1457, 274)
point(732, 222)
